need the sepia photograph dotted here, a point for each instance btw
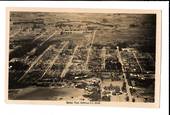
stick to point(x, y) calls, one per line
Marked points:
point(83, 56)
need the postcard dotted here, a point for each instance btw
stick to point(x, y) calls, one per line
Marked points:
point(98, 57)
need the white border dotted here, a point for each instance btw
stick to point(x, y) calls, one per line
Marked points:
point(98, 10)
point(8, 109)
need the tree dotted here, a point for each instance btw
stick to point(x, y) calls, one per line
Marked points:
point(127, 98)
point(104, 20)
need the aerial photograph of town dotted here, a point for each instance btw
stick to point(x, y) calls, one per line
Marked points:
point(83, 57)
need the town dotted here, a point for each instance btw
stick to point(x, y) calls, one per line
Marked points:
point(66, 57)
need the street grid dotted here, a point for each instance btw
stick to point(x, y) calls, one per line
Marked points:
point(99, 70)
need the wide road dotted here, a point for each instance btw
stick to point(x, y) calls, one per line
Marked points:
point(48, 38)
point(34, 62)
point(137, 61)
point(69, 63)
point(89, 50)
point(55, 58)
point(127, 85)
point(103, 55)
point(36, 38)
point(34, 49)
